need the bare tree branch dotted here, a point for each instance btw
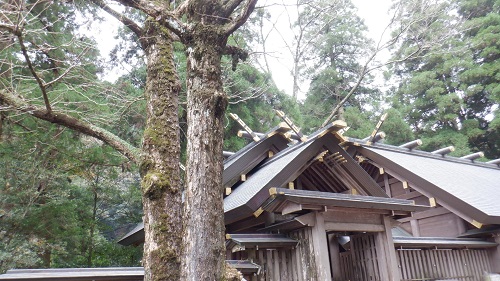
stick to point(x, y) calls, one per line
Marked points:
point(247, 9)
point(135, 28)
point(12, 102)
point(40, 82)
point(159, 12)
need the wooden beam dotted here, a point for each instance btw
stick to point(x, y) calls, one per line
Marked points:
point(245, 224)
point(308, 219)
point(369, 186)
point(386, 253)
point(415, 228)
point(372, 138)
point(427, 214)
point(291, 208)
point(359, 227)
point(228, 190)
point(405, 184)
point(245, 127)
point(320, 243)
point(291, 125)
point(387, 186)
point(333, 245)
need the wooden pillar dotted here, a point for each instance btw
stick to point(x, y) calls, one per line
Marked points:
point(386, 253)
point(495, 255)
point(320, 244)
point(333, 245)
point(415, 228)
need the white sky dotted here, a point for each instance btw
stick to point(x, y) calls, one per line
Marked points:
point(374, 12)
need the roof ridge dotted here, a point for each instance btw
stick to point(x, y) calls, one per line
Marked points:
point(423, 153)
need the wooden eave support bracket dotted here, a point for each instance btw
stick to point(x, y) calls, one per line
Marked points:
point(289, 122)
point(476, 224)
point(245, 127)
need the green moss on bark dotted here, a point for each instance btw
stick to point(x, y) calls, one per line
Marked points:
point(155, 183)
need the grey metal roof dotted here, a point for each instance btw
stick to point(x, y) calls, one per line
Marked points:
point(70, 274)
point(244, 266)
point(268, 176)
point(250, 156)
point(442, 243)
point(473, 188)
point(134, 236)
point(261, 241)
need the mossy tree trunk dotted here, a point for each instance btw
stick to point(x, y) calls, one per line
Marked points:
point(204, 244)
point(161, 187)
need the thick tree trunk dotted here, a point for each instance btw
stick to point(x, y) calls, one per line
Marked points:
point(203, 213)
point(161, 188)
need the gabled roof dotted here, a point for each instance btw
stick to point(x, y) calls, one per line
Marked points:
point(469, 189)
point(287, 165)
point(252, 154)
point(245, 199)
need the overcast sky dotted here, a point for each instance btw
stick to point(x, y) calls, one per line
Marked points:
point(374, 13)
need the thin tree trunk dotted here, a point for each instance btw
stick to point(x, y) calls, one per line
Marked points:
point(161, 189)
point(93, 224)
point(204, 244)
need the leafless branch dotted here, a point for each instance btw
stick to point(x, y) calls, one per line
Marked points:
point(40, 82)
point(239, 20)
point(159, 12)
point(135, 28)
point(15, 103)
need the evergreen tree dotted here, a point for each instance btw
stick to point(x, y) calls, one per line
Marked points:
point(447, 93)
point(340, 43)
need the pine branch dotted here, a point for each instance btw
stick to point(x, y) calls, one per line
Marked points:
point(13, 102)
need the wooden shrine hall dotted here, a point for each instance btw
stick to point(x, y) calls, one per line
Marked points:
point(328, 207)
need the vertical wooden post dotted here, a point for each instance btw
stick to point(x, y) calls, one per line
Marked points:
point(334, 257)
point(415, 228)
point(320, 248)
point(386, 253)
point(495, 255)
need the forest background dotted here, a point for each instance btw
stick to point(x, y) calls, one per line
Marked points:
point(65, 198)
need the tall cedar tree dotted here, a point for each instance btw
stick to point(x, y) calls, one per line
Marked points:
point(449, 93)
point(184, 240)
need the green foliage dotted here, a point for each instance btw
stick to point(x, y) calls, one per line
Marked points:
point(254, 97)
point(339, 45)
point(47, 185)
point(59, 190)
point(449, 93)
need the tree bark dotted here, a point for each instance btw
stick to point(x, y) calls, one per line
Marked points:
point(161, 187)
point(203, 213)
